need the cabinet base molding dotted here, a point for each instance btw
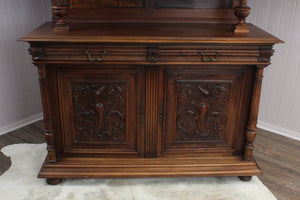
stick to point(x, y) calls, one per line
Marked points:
point(80, 167)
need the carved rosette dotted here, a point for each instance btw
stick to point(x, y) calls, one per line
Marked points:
point(99, 112)
point(266, 52)
point(201, 110)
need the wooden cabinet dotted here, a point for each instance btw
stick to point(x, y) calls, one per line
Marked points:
point(130, 97)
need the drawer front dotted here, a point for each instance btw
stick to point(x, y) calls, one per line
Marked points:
point(94, 53)
point(153, 54)
point(207, 54)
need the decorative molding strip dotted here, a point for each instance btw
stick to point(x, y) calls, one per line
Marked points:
point(21, 123)
point(279, 130)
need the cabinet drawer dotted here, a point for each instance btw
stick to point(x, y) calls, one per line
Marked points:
point(94, 53)
point(209, 53)
point(151, 54)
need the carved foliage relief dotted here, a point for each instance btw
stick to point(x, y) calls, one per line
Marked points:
point(99, 112)
point(202, 109)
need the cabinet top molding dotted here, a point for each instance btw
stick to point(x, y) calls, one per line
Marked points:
point(151, 33)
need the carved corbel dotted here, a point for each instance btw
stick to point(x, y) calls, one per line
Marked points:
point(153, 54)
point(60, 11)
point(266, 52)
point(36, 52)
point(242, 12)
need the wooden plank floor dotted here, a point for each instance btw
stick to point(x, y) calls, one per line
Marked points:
point(278, 157)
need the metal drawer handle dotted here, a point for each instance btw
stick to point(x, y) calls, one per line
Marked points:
point(210, 59)
point(95, 58)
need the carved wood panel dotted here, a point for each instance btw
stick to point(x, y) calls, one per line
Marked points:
point(99, 111)
point(202, 109)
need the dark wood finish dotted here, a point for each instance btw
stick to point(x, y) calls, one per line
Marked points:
point(251, 128)
point(219, 4)
point(203, 106)
point(47, 111)
point(59, 8)
point(161, 11)
point(150, 11)
point(141, 33)
point(242, 11)
point(277, 156)
point(245, 178)
point(100, 110)
point(53, 181)
point(107, 4)
point(149, 99)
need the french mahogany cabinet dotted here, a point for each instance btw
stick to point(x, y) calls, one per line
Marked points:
point(150, 88)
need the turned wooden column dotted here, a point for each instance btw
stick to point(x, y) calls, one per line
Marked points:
point(49, 131)
point(251, 128)
point(241, 12)
point(60, 11)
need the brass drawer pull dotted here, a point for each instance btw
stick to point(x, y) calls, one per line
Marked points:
point(95, 59)
point(210, 59)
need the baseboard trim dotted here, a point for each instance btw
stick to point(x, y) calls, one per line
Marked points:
point(279, 130)
point(21, 123)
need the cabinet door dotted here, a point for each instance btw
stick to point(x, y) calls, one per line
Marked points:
point(206, 109)
point(100, 109)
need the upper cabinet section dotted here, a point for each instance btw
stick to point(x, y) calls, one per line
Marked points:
point(187, 4)
point(106, 4)
point(204, 4)
point(150, 11)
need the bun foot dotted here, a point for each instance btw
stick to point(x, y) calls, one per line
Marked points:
point(245, 178)
point(54, 181)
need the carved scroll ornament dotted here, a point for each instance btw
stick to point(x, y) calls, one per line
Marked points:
point(201, 110)
point(99, 112)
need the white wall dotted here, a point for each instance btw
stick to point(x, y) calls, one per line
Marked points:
point(19, 90)
point(280, 102)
